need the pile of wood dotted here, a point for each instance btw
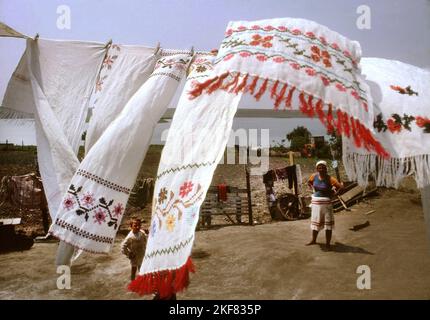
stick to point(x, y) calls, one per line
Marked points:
point(352, 194)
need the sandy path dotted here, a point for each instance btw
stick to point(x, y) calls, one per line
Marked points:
point(266, 261)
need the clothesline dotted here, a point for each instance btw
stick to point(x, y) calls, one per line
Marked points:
point(6, 31)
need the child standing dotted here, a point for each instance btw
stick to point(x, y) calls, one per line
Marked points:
point(134, 246)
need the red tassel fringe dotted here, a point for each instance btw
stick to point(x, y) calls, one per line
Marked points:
point(344, 125)
point(166, 283)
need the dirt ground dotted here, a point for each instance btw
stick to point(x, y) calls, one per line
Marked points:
point(265, 261)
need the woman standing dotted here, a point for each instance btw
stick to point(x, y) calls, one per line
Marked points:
point(325, 187)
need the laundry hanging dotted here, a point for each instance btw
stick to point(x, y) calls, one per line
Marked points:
point(195, 143)
point(296, 61)
point(402, 124)
point(62, 75)
point(124, 70)
point(285, 58)
point(93, 206)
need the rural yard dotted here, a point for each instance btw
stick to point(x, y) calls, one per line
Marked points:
point(266, 261)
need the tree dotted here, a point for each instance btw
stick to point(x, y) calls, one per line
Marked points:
point(298, 143)
point(302, 132)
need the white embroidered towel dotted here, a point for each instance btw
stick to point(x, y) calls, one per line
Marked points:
point(402, 124)
point(93, 206)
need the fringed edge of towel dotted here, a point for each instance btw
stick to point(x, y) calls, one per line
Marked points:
point(387, 172)
point(282, 94)
point(165, 282)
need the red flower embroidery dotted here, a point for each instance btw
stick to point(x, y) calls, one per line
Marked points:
point(325, 80)
point(282, 28)
point(88, 199)
point(244, 54)
point(241, 28)
point(325, 54)
point(118, 209)
point(315, 50)
point(327, 63)
point(186, 188)
point(99, 216)
point(255, 27)
point(263, 41)
point(278, 59)
point(318, 55)
point(347, 53)
point(268, 28)
point(393, 126)
point(323, 40)
point(228, 57)
point(421, 121)
point(340, 87)
point(295, 65)
point(311, 72)
point(355, 94)
point(335, 46)
point(310, 35)
point(229, 32)
point(261, 57)
point(68, 203)
point(296, 32)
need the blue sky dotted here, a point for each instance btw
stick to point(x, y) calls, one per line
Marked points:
point(399, 28)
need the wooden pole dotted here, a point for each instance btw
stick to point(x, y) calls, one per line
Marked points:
point(248, 191)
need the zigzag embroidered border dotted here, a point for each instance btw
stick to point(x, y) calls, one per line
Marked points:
point(82, 233)
point(103, 182)
point(170, 249)
point(170, 75)
point(188, 166)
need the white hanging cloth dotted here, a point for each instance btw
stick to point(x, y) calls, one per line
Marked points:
point(124, 70)
point(285, 58)
point(93, 206)
point(402, 124)
point(62, 75)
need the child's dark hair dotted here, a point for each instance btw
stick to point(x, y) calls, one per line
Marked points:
point(136, 219)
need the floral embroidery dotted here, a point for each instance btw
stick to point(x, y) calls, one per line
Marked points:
point(406, 90)
point(201, 69)
point(323, 55)
point(170, 222)
point(102, 210)
point(88, 199)
point(162, 195)
point(170, 63)
point(118, 209)
point(186, 188)
point(295, 32)
point(258, 40)
point(393, 126)
point(310, 71)
point(397, 123)
point(423, 123)
point(166, 211)
point(68, 203)
point(99, 216)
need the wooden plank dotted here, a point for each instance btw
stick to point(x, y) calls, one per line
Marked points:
point(357, 190)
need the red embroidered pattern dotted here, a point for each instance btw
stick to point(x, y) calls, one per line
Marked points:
point(296, 32)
